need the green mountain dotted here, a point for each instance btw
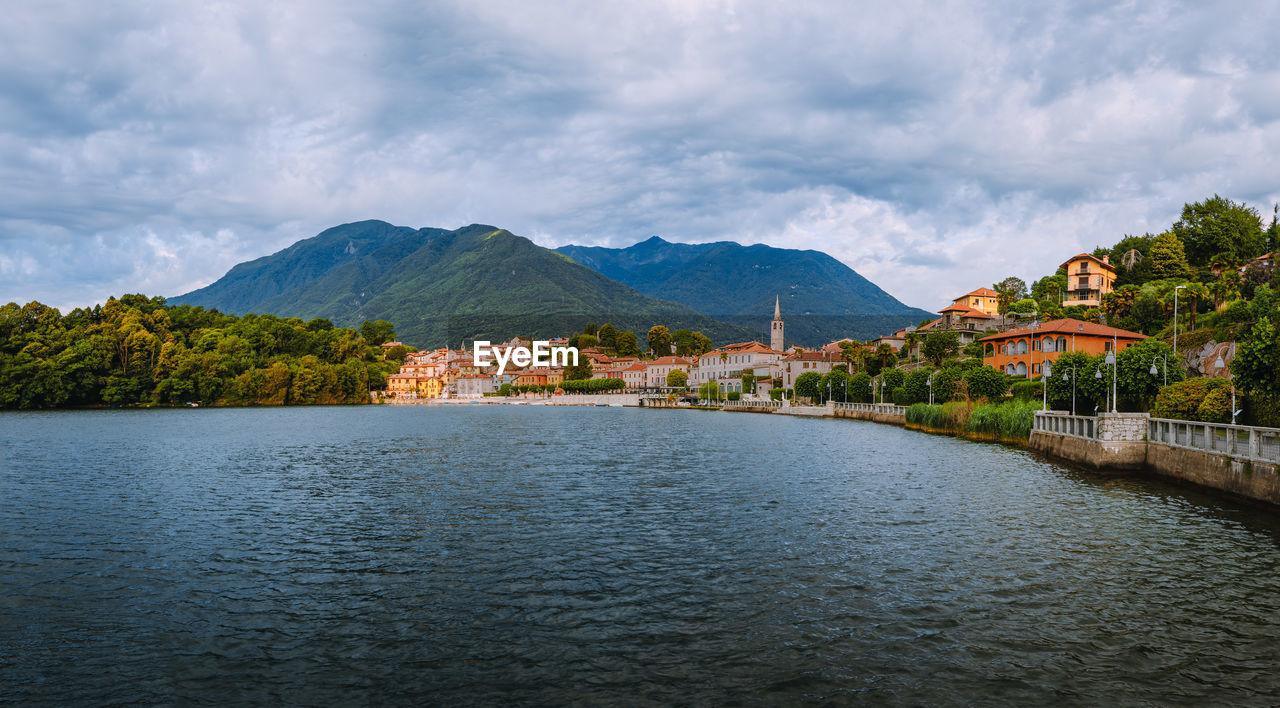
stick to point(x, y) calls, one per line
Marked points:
point(442, 287)
point(822, 298)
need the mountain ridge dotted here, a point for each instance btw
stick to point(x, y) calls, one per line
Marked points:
point(441, 287)
point(822, 298)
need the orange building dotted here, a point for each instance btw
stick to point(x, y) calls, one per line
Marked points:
point(1088, 279)
point(1021, 352)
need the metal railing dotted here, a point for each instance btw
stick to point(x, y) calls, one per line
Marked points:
point(1261, 444)
point(1076, 426)
point(885, 408)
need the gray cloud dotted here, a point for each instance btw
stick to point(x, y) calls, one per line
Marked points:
point(934, 148)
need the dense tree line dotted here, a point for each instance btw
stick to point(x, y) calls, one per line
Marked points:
point(138, 350)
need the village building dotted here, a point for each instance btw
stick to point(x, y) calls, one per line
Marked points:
point(474, 385)
point(726, 364)
point(1023, 351)
point(984, 300)
point(1088, 279)
point(635, 376)
point(659, 369)
point(797, 363)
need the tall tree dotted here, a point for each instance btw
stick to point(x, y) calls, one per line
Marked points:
point(1008, 291)
point(940, 345)
point(377, 332)
point(1169, 257)
point(1219, 225)
point(660, 340)
point(607, 336)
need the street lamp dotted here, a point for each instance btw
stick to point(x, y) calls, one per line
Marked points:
point(1044, 385)
point(929, 382)
point(1221, 364)
point(1175, 319)
point(1164, 366)
point(1072, 376)
point(1111, 359)
point(1098, 376)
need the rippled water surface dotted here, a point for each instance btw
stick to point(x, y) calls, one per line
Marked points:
point(584, 555)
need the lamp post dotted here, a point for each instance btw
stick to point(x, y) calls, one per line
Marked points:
point(1098, 376)
point(1221, 364)
point(1175, 320)
point(1044, 385)
point(1111, 360)
point(1072, 376)
point(929, 383)
point(1164, 366)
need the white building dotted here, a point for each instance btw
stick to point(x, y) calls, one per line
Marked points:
point(726, 364)
point(658, 369)
point(474, 386)
point(795, 364)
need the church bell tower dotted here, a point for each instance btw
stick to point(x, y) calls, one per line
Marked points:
point(775, 333)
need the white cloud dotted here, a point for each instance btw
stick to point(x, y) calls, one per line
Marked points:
point(934, 148)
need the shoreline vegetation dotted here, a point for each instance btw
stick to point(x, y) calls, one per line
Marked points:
point(1008, 422)
point(137, 351)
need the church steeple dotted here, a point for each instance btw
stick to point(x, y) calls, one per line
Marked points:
point(775, 329)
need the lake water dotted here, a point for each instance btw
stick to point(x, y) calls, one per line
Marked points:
point(467, 555)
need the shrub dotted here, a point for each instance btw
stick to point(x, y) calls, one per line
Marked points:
point(892, 378)
point(986, 382)
point(1182, 400)
point(1236, 312)
point(592, 385)
point(899, 396)
point(1263, 409)
point(1216, 406)
point(916, 386)
point(860, 387)
point(1027, 390)
point(734, 396)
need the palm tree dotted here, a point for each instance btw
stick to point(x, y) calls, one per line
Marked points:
point(883, 352)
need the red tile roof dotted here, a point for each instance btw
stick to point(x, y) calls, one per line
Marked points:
point(980, 292)
point(966, 311)
point(1087, 256)
point(1068, 326)
point(671, 360)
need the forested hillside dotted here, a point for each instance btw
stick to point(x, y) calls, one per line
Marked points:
point(138, 350)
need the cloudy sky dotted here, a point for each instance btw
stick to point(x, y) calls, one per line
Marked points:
point(933, 147)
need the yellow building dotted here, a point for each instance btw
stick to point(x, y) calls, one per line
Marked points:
point(429, 387)
point(400, 384)
point(1088, 279)
point(984, 300)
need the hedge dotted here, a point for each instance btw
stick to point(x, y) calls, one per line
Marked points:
point(592, 385)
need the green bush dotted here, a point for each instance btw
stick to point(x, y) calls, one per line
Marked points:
point(916, 386)
point(899, 396)
point(592, 385)
point(892, 379)
point(1028, 390)
point(860, 387)
point(986, 382)
point(1182, 400)
point(1216, 406)
point(734, 396)
point(1237, 311)
point(1262, 409)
